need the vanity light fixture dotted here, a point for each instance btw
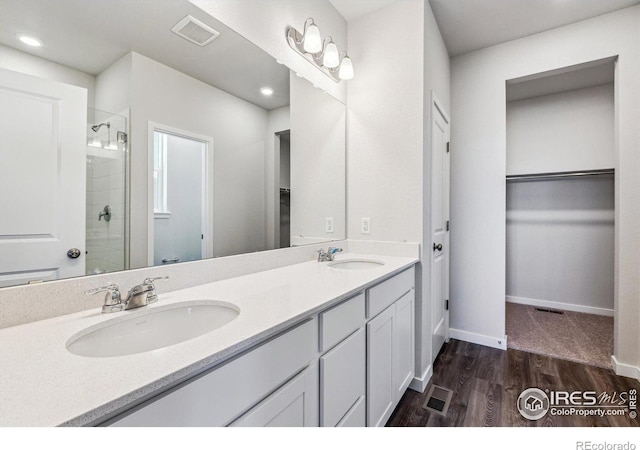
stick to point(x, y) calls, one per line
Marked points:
point(30, 40)
point(311, 40)
point(323, 54)
point(331, 57)
point(346, 68)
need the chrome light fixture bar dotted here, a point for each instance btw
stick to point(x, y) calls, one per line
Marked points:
point(322, 53)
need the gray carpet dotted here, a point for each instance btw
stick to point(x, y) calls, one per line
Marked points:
point(584, 338)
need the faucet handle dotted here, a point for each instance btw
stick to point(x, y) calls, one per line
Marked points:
point(110, 287)
point(152, 297)
point(322, 255)
point(151, 280)
point(332, 251)
point(112, 298)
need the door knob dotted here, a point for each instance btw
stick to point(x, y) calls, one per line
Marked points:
point(437, 247)
point(74, 253)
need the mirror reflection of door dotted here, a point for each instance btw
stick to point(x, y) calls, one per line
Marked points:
point(42, 179)
point(285, 188)
point(180, 197)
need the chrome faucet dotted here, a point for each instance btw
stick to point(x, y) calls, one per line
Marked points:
point(140, 295)
point(329, 255)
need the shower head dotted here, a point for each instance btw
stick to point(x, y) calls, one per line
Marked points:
point(95, 128)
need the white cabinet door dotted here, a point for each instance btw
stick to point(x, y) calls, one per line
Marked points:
point(357, 415)
point(380, 362)
point(390, 358)
point(404, 343)
point(342, 378)
point(293, 405)
point(42, 178)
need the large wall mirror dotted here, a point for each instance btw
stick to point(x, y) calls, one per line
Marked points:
point(144, 133)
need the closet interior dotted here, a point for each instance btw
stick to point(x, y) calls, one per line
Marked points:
point(560, 200)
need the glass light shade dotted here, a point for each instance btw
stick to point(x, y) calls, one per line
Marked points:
point(331, 58)
point(346, 69)
point(312, 39)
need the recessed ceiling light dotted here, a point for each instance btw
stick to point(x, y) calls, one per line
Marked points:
point(30, 40)
point(266, 91)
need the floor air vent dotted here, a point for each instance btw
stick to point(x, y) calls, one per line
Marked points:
point(438, 399)
point(195, 31)
point(554, 311)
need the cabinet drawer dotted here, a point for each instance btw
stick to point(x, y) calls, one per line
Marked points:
point(293, 405)
point(221, 395)
point(386, 293)
point(340, 321)
point(342, 378)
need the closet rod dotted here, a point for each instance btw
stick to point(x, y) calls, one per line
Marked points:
point(552, 175)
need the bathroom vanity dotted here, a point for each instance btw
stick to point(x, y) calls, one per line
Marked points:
point(312, 345)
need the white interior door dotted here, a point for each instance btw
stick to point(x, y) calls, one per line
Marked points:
point(439, 225)
point(179, 229)
point(42, 178)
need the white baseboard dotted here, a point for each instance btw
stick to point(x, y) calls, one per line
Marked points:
point(562, 306)
point(489, 341)
point(420, 384)
point(625, 370)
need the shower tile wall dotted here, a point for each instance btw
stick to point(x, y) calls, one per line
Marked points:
point(105, 240)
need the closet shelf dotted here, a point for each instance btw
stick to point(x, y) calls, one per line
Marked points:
point(554, 175)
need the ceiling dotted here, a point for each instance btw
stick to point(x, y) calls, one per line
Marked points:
point(468, 25)
point(354, 9)
point(593, 73)
point(91, 35)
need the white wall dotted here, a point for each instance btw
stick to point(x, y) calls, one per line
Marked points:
point(561, 132)
point(265, 24)
point(388, 137)
point(18, 61)
point(560, 243)
point(437, 74)
point(278, 121)
point(385, 123)
point(113, 86)
point(178, 235)
point(168, 97)
point(317, 157)
point(479, 168)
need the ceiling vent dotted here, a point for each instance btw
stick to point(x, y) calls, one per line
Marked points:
point(195, 31)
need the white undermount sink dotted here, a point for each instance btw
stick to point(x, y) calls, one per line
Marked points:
point(356, 264)
point(161, 327)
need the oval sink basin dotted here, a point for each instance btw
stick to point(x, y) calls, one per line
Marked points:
point(356, 264)
point(157, 329)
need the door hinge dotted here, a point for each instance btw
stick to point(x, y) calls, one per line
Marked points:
point(446, 305)
point(447, 225)
point(448, 149)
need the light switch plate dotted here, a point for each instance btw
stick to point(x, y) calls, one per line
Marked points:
point(365, 225)
point(328, 226)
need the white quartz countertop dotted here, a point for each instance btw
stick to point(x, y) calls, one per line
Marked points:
point(43, 384)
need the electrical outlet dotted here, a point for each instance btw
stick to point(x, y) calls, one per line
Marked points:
point(365, 225)
point(328, 224)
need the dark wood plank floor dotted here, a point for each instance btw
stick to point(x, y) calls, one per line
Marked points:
point(486, 383)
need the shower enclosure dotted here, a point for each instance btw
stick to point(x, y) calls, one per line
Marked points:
point(107, 210)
